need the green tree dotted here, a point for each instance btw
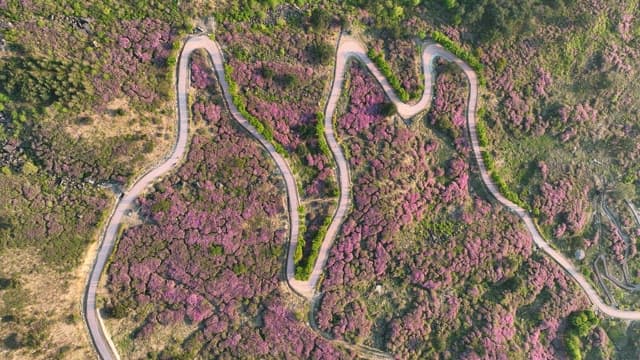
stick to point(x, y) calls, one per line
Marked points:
point(582, 322)
point(320, 19)
point(320, 52)
point(573, 347)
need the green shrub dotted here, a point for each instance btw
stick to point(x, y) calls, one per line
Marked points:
point(322, 141)
point(299, 254)
point(8, 283)
point(29, 168)
point(504, 189)
point(13, 341)
point(460, 52)
point(257, 124)
point(582, 322)
point(304, 267)
point(148, 147)
point(84, 120)
point(240, 269)
point(385, 69)
point(288, 80)
point(388, 109)
point(161, 206)
point(481, 130)
point(267, 72)
point(320, 19)
point(320, 52)
point(488, 161)
point(216, 250)
point(573, 347)
point(118, 311)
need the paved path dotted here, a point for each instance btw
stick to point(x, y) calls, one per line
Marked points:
point(349, 47)
point(405, 110)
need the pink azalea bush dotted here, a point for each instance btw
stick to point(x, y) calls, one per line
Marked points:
point(211, 251)
point(448, 108)
point(419, 240)
point(139, 46)
point(556, 202)
point(281, 85)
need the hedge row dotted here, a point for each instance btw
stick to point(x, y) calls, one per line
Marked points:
point(322, 141)
point(299, 254)
point(463, 54)
point(502, 186)
point(260, 127)
point(305, 266)
point(481, 129)
point(384, 67)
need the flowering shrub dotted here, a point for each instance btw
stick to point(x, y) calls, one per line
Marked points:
point(139, 46)
point(211, 251)
point(278, 84)
point(555, 203)
point(282, 94)
point(404, 272)
point(448, 109)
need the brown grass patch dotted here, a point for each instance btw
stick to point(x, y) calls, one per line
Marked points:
point(120, 119)
point(45, 299)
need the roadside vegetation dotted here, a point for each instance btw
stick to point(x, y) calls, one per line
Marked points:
point(424, 263)
point(559, 116)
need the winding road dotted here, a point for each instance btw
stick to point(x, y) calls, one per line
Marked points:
point(99, 335)
point(348, 47)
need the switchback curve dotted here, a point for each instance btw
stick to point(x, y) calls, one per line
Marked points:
point(99, 335)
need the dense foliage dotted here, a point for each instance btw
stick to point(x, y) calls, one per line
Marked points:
point(28, 216)
point(78, 82)
point(211, 250)
point(463, 282)
point(559, 103)
point(559, 133)
point(278, 75)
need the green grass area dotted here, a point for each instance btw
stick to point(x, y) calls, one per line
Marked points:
point(460, 52)
point(322, 140)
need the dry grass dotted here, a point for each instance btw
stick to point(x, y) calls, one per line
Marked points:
point(48, 296)
point(120, 119)
point(160, 339)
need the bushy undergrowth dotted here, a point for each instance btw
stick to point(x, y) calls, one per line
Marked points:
point(423, 265)
point(211, 250)
point(278, 75)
